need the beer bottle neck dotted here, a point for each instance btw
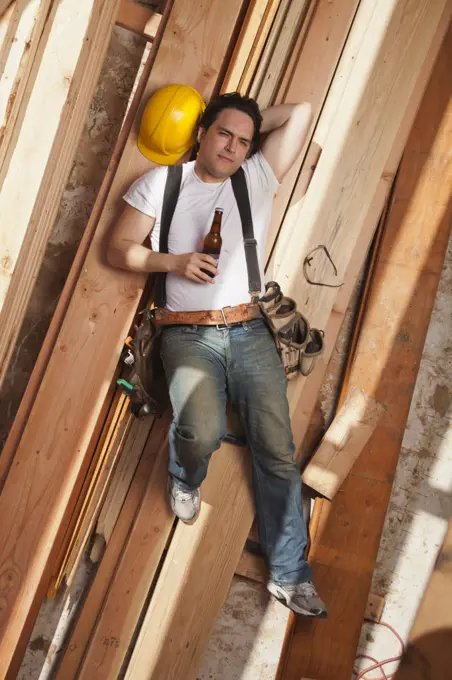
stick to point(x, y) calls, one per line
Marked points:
point(216, 224)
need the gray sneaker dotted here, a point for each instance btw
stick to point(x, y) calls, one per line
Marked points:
point(185, 504)
point(301, 598)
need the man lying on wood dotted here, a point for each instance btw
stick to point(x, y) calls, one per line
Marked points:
point(216, 345)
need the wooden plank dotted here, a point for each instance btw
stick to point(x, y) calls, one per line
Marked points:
point(343, 442)
point(130, 456)
point(244, 46)
point(252, 566)
point(374, 608)
point(262, 70)
point(97, 440)
point(428, 651)
point(138, 18)
point(311, 81)
point(25, 28)
point(258, 46)
point(98, 488)
point(196, 575)
point(4, 4)
point(98, 318)
point(346, 532)
point(134, 574)
point(85, 625)
point(30, 197)
point(8, 29)
point(291, 25)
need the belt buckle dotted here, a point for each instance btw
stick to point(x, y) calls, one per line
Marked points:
point(221, 327)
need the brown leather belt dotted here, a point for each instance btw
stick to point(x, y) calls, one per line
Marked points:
point(215, 317)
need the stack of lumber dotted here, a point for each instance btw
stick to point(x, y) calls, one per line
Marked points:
point(346, 533)
point(52, 54)
point(363, 67)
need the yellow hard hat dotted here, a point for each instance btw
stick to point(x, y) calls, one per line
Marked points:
point(168, 123)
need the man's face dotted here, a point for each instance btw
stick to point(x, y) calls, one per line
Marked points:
point(226, 144)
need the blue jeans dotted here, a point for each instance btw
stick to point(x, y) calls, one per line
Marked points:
point(205, 366)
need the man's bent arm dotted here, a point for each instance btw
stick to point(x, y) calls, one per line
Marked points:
point(287, 126)
point(126, 251)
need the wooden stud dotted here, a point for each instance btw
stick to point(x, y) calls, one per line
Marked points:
point(25, 28)
point(268, 81)
point(54, 442)
point(134, 574)
point(4, 4)
point(138, 18)
point(258, 46)
point(244, 46)
point(98, 488)
point(343, 442)
point(310, 81)
point(133, 446)
point(252, 566)
point(85, 625)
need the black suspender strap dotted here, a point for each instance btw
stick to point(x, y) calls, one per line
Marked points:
point(240, 189)
point(172, 188)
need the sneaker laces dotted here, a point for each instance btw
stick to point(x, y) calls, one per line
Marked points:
point(184, 496)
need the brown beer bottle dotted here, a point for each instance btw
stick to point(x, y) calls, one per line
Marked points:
point(213, 241)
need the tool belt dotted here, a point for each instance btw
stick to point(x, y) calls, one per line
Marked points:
point(298, 345)
point(227, 316)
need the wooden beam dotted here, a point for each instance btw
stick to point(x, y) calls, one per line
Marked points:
point(129, 588)
point(25, 27)
point(346, 533)
point(97, 440)
point(266, 82)
point(310, 81)
point(258, 46)
point(245, 44)
point(96, 492)
point(130, 456)
point(428, 652)
point(262, 70)
point(97, 320)
point(86, 622)
point(196, 575)
point(44, 151)
point(343, 442)
point(138, 18)
point(4, 4)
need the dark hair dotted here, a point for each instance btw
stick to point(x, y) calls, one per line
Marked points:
point(234, 100)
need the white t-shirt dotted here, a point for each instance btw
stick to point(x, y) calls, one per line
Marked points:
point(192, 221)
